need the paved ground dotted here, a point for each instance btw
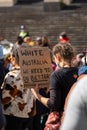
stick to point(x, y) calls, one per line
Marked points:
point(72, 19)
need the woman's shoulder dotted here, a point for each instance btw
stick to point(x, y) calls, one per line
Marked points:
point(64, 71)
point(58, 73)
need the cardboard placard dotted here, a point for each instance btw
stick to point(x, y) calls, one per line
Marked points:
point(35, 64)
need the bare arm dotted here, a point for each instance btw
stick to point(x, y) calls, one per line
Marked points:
point(42, 99)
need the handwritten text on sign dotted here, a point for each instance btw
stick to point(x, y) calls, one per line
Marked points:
point(35, 66)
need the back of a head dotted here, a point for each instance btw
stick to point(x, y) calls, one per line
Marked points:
point(39, 41)
point(63, 37)
point(15, 54)
point(66, 51)
point(45, 41)
point(19, 40)
point(27, 39)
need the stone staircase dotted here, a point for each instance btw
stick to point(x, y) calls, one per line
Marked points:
point(72, 19)
point(27, 1)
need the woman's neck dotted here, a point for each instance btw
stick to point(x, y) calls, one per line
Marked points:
point(66, 65)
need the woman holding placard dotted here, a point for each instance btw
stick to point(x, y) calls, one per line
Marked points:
point(61, 80)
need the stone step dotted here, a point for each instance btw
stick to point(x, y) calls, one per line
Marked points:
point(38, 22)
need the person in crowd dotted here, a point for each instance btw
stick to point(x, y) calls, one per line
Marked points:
point(2, 118)
point(18, 43)
point(77, 61)
point(19, 103)
point(29, 41)
point(63, 38)
point(23, 32)
point(38, 41)
point(8, 62)
point(3, 70)
point(84, 58)
point(76, 107)
point(41, 110)
point(2, 75)
point(45, 41)
point(82, 70)
point(61, 80)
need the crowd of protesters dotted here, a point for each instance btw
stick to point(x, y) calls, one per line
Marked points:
point(24, 108)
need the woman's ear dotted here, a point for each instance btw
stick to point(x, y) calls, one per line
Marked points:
point(58, 57)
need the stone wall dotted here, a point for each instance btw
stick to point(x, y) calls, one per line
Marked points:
point(55, 5)
point(28, 1)
point(7, 3)
point(67, 2)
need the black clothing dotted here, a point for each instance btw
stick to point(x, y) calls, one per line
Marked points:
point(15, 123)
point(60, 84)
point(2, 118)
point(41, 113)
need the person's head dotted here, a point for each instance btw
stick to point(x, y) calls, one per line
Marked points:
point(45, 41)
point(27, 39)
point(79, 56)
point(8, 58)
point(19, 40)
point(63, 38)
point(77, 60)
point(39, 41)
point(15, 59)
point(63, 54)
